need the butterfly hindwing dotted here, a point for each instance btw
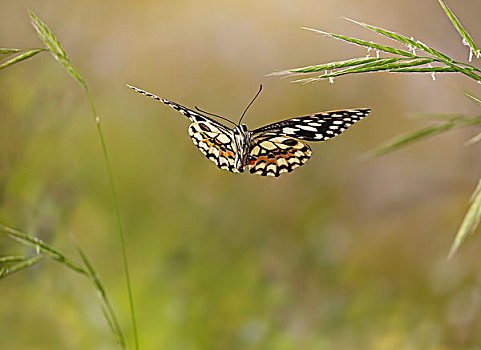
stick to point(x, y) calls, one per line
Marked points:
point(273, 155)
point(217, 145)
point(316, 127)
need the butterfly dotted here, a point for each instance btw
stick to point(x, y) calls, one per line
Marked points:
point(271, 150)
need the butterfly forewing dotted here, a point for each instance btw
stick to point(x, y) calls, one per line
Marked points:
point(273, 155)
point(316, 127)
point(194, 116)
point(217, 145)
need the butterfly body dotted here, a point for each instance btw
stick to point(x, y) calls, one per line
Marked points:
point(242, 140)
point(270, 150)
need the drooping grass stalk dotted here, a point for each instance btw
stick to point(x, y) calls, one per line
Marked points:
point(58, 52)
point(448, 122)
point(55, 48)
point(466, 37)
point(43, 250)
point(404, 61)
point(22, 55)
point(470, 221)
point(417, 58)
point(19, 263)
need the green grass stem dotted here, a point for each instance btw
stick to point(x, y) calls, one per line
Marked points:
point(19, 58)
point(56, 49)
point(470, 221)
point(43, 249)
point(22, 264)
point(59, 53)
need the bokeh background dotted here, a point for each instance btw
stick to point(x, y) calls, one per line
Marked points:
point(347, 252)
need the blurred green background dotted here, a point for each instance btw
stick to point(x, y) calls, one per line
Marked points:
point(346, 252)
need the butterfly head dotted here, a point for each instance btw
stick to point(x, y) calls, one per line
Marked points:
point(240, 129)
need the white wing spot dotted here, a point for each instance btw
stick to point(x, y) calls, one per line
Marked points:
point(289, 130)
point(268, 145)
point(306, 127)
point(223, 138)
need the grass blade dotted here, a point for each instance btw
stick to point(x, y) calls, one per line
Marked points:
point(464, 34)
point(419, 45)
point(453, 121)
point(425, 70)
point(113, 190)
point(408, 138)
point(9, 259)
point(411, 43)
point(466, 71)
point(26, 263)
point(389, 64)
point(41, 247)
point(20, 58)
point(107, 309)
point(473, 98)
point(381, 64)
point(327, 66)
point(54, 46)
point(365, 43)
point(56, 49)
point(4, 52)
point(47, 250)
point(46, 35)
point(470, 221)
point(442, 117)
point(473, 140)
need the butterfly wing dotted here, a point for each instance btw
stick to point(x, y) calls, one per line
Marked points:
point(216, 144)
point(194, 116)
point(276, 148)
point(316, 127)
point(273, 155)
point(212, 138)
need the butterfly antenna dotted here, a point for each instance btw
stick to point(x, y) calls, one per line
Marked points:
point(243, 114)
point(214, 115)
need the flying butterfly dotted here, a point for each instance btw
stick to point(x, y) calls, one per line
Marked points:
point(270, 150)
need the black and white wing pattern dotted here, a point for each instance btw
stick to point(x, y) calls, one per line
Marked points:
point(276, 148)
point(213, 139)
point(315, 127)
